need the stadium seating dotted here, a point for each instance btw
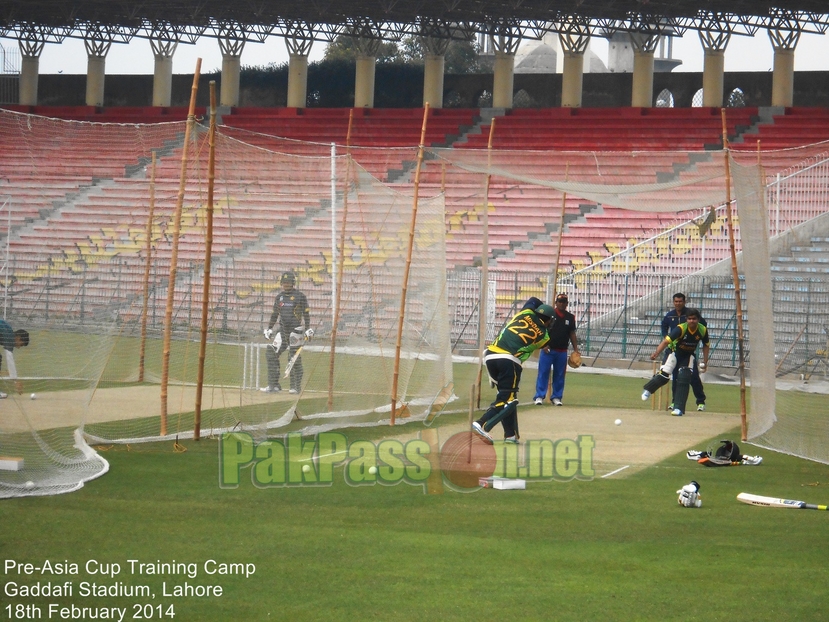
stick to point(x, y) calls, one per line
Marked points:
point(95, 199)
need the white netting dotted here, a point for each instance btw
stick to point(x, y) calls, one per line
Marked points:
point(76, 280)
point(79, 195)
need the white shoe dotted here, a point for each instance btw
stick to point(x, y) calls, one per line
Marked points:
point(557, 402)
point(752, 460)
point(676, 412)
point(538, 401)
point(700, 407)
point(293, 391)
point(478, 429)
point(511, 440)
point(694, 454)
point(270, 389)
point(645, 395)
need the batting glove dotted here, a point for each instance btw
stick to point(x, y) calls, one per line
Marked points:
point(268, 333)
point(277, 341)
point(309, 333)
point(689, 496)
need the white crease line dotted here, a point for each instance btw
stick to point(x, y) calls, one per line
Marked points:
point(614, 472)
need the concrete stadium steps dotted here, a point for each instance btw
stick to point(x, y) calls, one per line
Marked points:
point(793, 127)
point(598, 129)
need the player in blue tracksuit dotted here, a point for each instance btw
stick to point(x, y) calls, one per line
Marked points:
point(553, 356)
point(11, 339)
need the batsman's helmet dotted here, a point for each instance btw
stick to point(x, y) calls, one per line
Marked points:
point(288, 277)
point(728, 450)
point(546, 312)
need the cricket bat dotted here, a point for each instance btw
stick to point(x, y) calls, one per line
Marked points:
point(772, 502)
point(290, 364)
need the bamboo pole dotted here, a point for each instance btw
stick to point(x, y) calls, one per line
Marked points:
point(208, 250)
point(338, 274)
point(421, 148)
point(148, 260)
point(483, 298)
point(168, 313)
point(735, 276)
point(560, 232)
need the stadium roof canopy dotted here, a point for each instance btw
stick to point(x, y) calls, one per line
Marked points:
point(187, 20)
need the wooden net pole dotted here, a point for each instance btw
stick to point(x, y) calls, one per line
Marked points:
point(735, 277)
point(421, 148)
point(148, 260)
point(208, 250)
point(338, 273)
point(171, 286)
point(560, 232)
point(484, 296)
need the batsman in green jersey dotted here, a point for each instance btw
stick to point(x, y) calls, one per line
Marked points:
point(525, 333)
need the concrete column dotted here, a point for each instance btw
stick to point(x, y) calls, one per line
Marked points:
point(573, 38)
point(434, 49)
point(297, 80)
point(503, 79)
point(782, 82)
point(231, 72)
point(784, 41)
point(298, 51)
point(714, 43)
point(642, 95)
point(95, 75)
point(572, 79)
point(364, 81)
point(713, 74)
point(433, 80)
point(163, 80)
point(231, 47)
point(163, 51)
point(29, 71)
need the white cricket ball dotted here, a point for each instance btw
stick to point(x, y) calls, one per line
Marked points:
point(306, 468)
point(33, 396)
point(30, 484)
point(372, 470)
point(618, 422)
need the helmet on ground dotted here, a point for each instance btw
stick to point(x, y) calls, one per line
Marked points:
point(288, 277)
point(546, 312)
point(728, 450)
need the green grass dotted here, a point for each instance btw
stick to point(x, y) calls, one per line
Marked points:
point(615, 549)
point(607, 549)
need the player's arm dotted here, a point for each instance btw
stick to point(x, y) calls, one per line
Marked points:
point(306, 317)
point(273, 319)
point(574, 340)
point(666, 342)
point(705, 351)
point(666, 325)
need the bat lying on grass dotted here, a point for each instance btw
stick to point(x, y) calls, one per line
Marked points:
point(772, 502)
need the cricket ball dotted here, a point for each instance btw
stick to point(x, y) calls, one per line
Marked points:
point(29, 484)
point(33, 396)
point(618, 422)
point(306, 468)
point(372, 470)
point(465, 458)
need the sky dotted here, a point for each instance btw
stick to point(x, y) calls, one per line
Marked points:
point(743, 54)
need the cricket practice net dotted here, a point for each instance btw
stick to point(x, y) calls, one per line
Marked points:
point(111, 229)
